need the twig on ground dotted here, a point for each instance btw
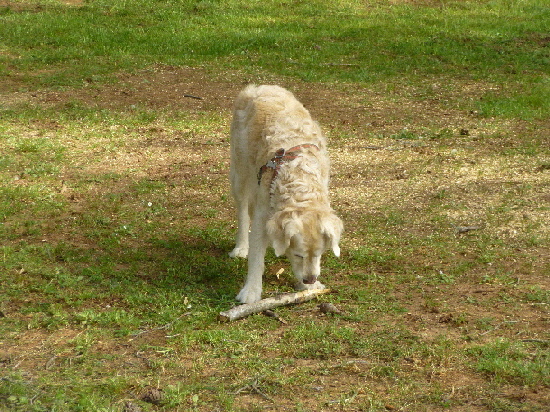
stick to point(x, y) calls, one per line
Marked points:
point(242, 311)
point(271, 314)
point(51, 362)
point(253, 388)
point(498, 326)
point(167, 326)
point(466, 229)
point(341, 64)
point(192, 97)
point(536, 340)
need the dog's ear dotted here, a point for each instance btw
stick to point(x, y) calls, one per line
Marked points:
point(293, 227)
point(281, 230)
point(331, 228)
point(280, 244)
point(274, 233)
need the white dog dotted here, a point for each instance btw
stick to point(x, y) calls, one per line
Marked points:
point(279, 179)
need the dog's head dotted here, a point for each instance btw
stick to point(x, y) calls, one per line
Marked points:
point(305, 235)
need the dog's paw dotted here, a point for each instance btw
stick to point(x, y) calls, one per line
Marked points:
point(249, 295)
point(241, 252)
point(302, 286)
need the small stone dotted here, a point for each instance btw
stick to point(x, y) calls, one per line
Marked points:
point(446, 318)
point(131, 407)
point(153, 395)
point(329, 308)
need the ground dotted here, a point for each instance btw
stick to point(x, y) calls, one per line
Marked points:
point(423, 166)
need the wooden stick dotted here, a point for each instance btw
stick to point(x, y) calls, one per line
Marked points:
point(192, 97)
point(466, 229)
point(246, 309)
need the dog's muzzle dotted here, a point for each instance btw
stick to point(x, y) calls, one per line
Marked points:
point(310, 280)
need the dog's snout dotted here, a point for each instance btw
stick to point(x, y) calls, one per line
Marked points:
point(310, 280)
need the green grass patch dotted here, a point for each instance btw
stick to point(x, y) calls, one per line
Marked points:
point(498, 41)
point(514, 362)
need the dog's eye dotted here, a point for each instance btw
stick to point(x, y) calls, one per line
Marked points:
point(300, 256)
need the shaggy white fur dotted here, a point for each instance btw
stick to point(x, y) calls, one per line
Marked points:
point(287, 205)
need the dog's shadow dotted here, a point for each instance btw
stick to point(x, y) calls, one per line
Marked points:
point(197, 263)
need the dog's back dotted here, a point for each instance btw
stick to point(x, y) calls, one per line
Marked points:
point(267, 118)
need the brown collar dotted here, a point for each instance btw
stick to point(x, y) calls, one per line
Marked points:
point(282, 156)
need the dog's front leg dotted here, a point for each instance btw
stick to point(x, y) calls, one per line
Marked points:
point(243, 222)
point(240, 191)
point(252, 289)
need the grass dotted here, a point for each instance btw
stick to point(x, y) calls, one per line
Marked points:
point(514, 362)
point(116, 219)
point(501, 42)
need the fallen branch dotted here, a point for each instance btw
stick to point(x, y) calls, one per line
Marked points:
point(341, 64)
point(254, 388)
point(168, 325)
point(536, 340)
point(466, 229)
point(192, 97)
point(242, 311)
